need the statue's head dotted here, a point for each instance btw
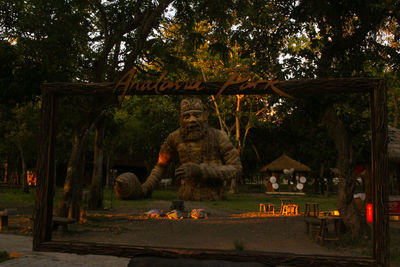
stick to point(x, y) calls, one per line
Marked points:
point(193, 119)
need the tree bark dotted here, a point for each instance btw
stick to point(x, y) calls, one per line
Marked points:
point(108, 171)
point(368, 185)
point(318, 184)
point(92, 112)
point(346, 204)
point(96, 190)
point(69, 203)
point(396, 111)
point(23, 178)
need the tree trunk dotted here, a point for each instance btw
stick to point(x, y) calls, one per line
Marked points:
point(96, 190)
point(108, 171)
point(368, 185)
point(72, 195)
point(236, 180)
point(222, 125)
point(347, 207)
point(69, 203)
point(318, 184)
point(23, 178)
point(76, 196)
point(396, 111)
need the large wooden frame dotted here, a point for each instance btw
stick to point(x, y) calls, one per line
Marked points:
point(42, 230)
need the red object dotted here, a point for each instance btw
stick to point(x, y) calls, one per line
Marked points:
point(369, 213)
point(394, 206)
point(359, 169)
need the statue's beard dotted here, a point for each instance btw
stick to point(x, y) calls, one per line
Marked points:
point(193, 133)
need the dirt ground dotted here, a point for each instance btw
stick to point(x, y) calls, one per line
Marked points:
point(223, 229)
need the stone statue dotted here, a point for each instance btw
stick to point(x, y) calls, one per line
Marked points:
point(207, 157)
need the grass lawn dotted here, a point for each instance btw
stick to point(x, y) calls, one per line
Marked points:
point(14, 197)
point(244, 202)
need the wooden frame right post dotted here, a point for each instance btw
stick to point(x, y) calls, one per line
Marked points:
point(379, 170)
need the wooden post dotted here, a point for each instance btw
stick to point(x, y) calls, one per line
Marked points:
point(45, 172)
point(379, 170)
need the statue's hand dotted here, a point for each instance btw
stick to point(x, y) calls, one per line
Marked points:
point(188, 171)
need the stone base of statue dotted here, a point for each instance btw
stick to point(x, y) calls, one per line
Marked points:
point(197, 191)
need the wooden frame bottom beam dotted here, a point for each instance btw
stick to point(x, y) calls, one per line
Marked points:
point(268, 258)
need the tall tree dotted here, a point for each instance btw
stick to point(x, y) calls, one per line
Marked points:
point(117, 24)
point(342, 39)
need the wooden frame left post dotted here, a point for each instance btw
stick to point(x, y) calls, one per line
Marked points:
point(43, 212)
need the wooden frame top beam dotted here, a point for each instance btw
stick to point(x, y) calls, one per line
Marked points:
point(291, 87)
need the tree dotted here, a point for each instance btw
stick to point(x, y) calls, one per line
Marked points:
point(341, 43)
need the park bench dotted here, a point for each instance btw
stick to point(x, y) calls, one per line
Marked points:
point(4, 218)
point(63, 222)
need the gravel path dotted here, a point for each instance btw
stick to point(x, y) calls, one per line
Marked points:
point(21, 247)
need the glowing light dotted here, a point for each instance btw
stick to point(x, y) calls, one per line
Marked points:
point(31, 178)
point(369, 213)
point(163, 158)
point(336, 213)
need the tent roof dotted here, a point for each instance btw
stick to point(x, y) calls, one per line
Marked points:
point(394, 144)
point(285, 162)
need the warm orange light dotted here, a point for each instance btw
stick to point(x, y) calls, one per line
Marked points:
point(31, 178)
point(336, 213)
point(163, 158)
point(369, 213)
point(82, 216)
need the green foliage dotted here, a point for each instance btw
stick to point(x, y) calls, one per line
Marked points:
point(142, 124)
point(19, 129)
point(238, 245)
point(11, 198)
point(42, 41)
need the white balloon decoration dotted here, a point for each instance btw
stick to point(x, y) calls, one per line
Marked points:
point(275, 186)
point(272, 179)
point(299, 186)
point(303, 180)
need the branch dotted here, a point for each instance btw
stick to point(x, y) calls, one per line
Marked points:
point(148, 22)
point(103, 15)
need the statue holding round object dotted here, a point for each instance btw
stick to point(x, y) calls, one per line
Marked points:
point(207, 159)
